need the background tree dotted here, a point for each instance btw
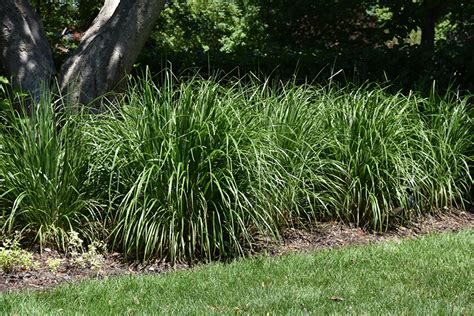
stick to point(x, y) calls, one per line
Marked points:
point(410, 43)
point(25, 53)
point(105, 54)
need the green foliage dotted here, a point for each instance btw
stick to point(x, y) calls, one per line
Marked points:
point(3, 82)
point(13, 258)
point(371, 134)
point(408, 15)
point(54, 264)
point(4, 87)
point(448, 148)
point(44, 174)
point(208, 26)
point(212, 165)
point(424, 276)
point(315, 38)
point(390, 154)
point(300, 181)
point(92, 257)
point(196, 34)
point(197, 169)
point(179, 160)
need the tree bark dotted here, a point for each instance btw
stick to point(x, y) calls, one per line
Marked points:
point(109, 48)
point(24, 51)
point(99, 64)
point(428, 25)
point(432, 11)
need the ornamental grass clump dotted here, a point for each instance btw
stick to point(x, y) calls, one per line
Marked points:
point(372, 136)
point(44, 188)
point(302, 182)
point(401, 155)
point(196, 170)
point(447, 153)
point(180, 173)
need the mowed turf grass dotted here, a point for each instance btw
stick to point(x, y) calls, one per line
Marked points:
point(429, 275)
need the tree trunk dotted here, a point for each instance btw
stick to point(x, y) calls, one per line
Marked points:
point(24, 51)
point(100, 63)
point(109, 48)
point(428, 31)
point(432, 12)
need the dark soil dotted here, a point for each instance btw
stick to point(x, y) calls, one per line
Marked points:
point(321, 236)
point(334, 234)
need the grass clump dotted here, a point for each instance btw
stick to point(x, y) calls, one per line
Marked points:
point(197, 169)
point(179, 173)
point(373, 137)
point(447, 154)
point(44, 188)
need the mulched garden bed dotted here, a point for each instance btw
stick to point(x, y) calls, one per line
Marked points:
point(321, 236)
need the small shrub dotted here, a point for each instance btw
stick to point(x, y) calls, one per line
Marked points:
point(92, 257)
point(13, 258)
point(54, 264)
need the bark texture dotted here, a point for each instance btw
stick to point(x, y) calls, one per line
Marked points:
point(109, 48)
point(25, 53)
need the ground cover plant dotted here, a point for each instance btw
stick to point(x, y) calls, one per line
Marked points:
point(196, 169)
point(430, 275)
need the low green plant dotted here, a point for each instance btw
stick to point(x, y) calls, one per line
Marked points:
point(373, 136)
point(90, 256)
point(54, 264)
point(447, 152)
point(196, 169)
point(178, 159)
point(301, 180)
point(13, 258)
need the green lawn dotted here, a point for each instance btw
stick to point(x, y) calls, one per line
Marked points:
point(430, 275)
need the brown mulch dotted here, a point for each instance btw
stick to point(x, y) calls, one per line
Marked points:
point(335, 234)
point(321, 236)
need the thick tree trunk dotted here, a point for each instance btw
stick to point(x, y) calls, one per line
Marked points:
point(24, 51)
point(109, 48)
point(432, 12)
point(428, 30)
point(104, 57)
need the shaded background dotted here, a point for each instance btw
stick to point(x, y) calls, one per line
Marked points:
point(407, 43)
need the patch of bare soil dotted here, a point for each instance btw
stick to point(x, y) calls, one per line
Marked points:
point(321, 236)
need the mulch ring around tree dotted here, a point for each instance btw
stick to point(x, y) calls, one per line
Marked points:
point(321, 236)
